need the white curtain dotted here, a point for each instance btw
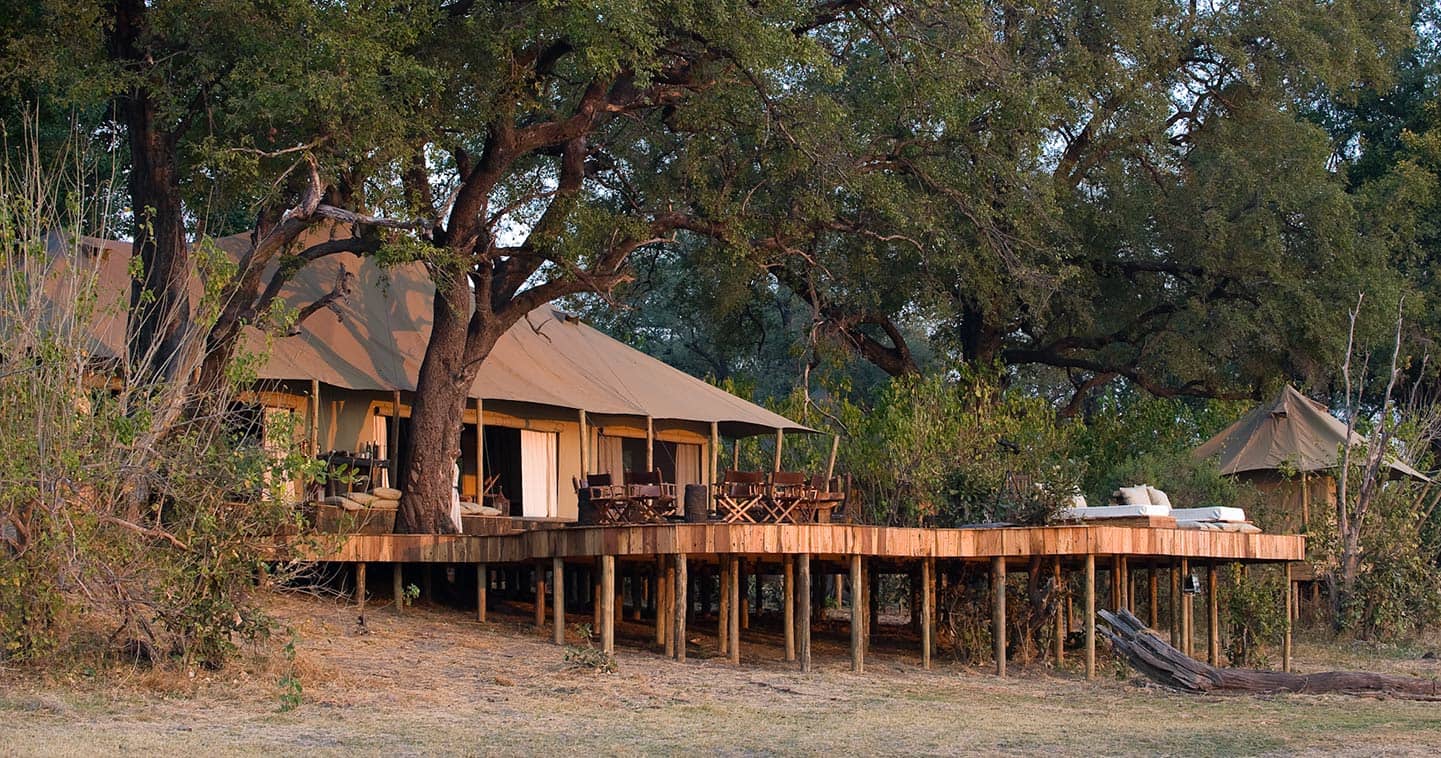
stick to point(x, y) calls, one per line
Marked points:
point(538, 453)
point(610, 457)
point(687, 465)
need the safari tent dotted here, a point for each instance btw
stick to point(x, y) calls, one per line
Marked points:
point(1289, 448)
point(555, 399)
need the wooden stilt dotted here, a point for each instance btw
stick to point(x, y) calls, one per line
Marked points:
point(360, 588)
point(557, 599)
point(680, 604)
point(788, 589)
point(1153, 607)
point(482, 588)
point(1188, 628)
point(607, 604)
point(1175, 622)
point(539, 570)
point(1213, 617)
point(660, 597)
point(804, 613)
point(1059, 643)
point(1286, 628)
point(998, 612)
point(398, 587)
point(737, 611)
point(743, 578)
point(928, 581)
point(723, 603)
point(1090, 617)
point(858, 656)
point(596, 606)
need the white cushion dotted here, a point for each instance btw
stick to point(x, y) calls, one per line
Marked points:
point(1218, 526)
point(1078, 500)
point(387, 493)
point(1115, 511)
point(1213, 513)
point(343, 502)
point(364, 498)
point(382, 504)
point(1157, 497)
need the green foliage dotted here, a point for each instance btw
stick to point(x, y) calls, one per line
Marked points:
point(1252, 614)
point(291, 690)
point(587, 655)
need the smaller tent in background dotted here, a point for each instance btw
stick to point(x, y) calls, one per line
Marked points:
point(1289, 448)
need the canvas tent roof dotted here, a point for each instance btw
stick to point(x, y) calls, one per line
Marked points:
point(1290, 432)
point(374, 339)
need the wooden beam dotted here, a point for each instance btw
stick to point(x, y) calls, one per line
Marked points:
point(1090, 616)
point(1057, 580)
point(482, 588)
point(804, 612)
point(360, 588)
point(780, 442)
point(557, 598)
point(1213, 617)
point(660, 593)
point(397, 581)
point(596, 606)
point(831, 462)
point(788, 589)
point(607, 604)
point(680, 604)
point(723, 604)
point(743, 578)
point(1286, 628)
point(998, 612)
point(1175, 622)
point(858, 656)
point(928, 581)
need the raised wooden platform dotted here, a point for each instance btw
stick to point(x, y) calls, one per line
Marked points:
point(820, 540)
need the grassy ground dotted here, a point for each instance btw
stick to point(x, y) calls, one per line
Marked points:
point(435, 681)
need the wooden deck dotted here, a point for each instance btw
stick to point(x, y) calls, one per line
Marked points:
point(820, 540)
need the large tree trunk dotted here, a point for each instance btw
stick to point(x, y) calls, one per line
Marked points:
point(461, 338)
point(159, 299)
point(1151, 656)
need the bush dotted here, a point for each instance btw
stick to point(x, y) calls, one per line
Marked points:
point(127, 507)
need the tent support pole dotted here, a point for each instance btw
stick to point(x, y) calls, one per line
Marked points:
point(831, 462)
point(584, 445)
point(315, 417)
point(714, 464)
point(649, 443)
point(392, 448)
point(780, 442)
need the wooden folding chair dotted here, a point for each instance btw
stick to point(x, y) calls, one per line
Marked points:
point(785, 497)
point(739, 496)
point(609, 500)
point(650, 498)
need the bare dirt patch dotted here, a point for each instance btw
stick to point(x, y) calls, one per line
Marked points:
point(436, 681)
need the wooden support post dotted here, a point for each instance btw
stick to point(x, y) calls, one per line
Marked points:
point(714, 465)
point(736, 454)
point(482, 588)
point(607, 604)
point(650, 443)
point(585, 462)
point(557, 601)
point(858, 655)
point(1059, 644)
point(780, 441)
point(736, 611)
point(539, 595)
point(998, 612)
point(1116, 600)
point(397, 580)
point(315, 416)
point(723, 605)
point(831, 462)
point(1090, 617)
point(360, 588)
point(1213, 617)
point(660, 597)
point(392, 446)
point(479, 451)
point(1175, 622)
point(1188, 628)
point(1153, 607)
point(743, 578)
point(804, 612)
point(928, 581)
point(596, 606)
point(1125, 579)
point(680, 604)
point(788, 589)
point(1286, 627)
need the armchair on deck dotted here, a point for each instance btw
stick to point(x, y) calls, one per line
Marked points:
point(651, 499)
point(739, 495)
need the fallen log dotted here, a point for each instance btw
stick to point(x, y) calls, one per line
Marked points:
point(1150, 655)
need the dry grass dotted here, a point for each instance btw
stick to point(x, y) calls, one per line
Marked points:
point(435, 681)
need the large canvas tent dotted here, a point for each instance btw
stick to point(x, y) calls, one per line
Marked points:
point(553, 388)
point(1289, 448)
